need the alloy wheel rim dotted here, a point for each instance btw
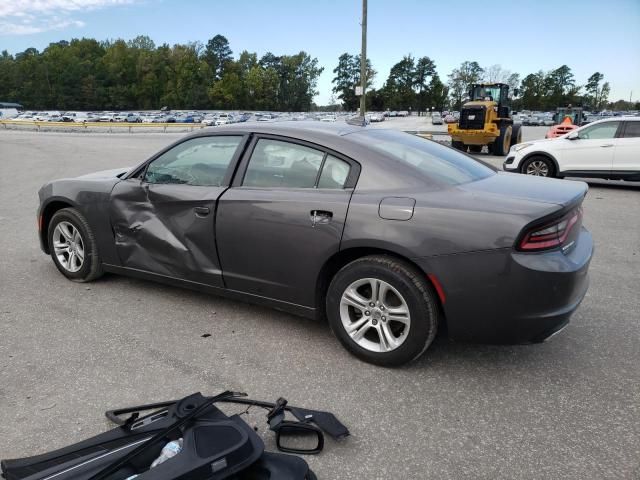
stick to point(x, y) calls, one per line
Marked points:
point(68, 246)
point(375, 315)
point(538, 168)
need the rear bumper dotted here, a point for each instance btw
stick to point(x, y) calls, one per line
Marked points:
point(504, 296)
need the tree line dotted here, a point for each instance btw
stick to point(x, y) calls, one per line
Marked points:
point(414, 84)
point(85, 74)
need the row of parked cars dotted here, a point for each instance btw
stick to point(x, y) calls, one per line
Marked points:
point(204, 118)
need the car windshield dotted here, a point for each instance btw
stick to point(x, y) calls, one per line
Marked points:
point(436, 162)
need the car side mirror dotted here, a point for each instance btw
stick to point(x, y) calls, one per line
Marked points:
point(573, 136)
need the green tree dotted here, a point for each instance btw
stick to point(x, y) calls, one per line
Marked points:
point(594, 90)
point(438, 94)
point(533, 90)
point(217, 53)
point(347, 76)
point(604, 96)
point(424, 72)
point(399, 90)
point(461, 79)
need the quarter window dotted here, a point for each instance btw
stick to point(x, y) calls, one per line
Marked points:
point(198, 161)
point(632, 130)
point(601, 131)
point(334, 173)
point(275, 163)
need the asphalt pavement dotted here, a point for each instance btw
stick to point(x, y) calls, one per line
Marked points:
point(565, 409)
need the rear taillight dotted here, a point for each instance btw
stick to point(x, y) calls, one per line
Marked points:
point(552, 235)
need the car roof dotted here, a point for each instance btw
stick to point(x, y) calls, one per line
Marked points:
point(616, 119)
point(305, 130)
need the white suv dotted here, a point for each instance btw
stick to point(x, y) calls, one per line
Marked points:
point(607, 148)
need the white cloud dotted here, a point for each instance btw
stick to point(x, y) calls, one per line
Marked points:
point(26, 17)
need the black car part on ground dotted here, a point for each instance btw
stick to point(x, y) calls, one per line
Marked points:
point(215, 447)
point(285, 428)
point(327, 421)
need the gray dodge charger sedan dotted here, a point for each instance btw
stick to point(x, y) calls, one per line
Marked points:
point(389, 236)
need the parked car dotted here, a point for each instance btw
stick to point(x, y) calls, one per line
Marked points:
point(133, 118)
point(450, 119)
point(376, 117)
point(25, 117)
point(9, 113)
point(608, 148)
point(209, 120)
point(258, 212)
point(108, 117)
point(224, 119)
point(436, 119)
point(548, 121)
point(535, 121)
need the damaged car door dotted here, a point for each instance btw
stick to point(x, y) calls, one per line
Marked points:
point(163, 216)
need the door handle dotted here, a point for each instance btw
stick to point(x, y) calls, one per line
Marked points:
point(201, 211)
point(607, 145)
point(320, 217)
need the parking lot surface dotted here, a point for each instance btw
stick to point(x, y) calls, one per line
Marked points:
point(568, 408)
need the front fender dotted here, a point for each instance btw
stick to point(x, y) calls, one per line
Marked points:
point(90, 196)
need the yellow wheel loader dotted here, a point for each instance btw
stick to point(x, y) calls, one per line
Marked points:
point(486, 120)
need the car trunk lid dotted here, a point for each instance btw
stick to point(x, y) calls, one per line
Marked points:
point(563, 193)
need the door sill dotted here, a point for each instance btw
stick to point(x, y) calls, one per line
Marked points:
point(293, 308)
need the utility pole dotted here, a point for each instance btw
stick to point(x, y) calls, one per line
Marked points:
point(363, 61)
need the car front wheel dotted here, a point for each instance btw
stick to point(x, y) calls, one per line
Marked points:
point(382, 310)
point(538, 166)
point(73, 246)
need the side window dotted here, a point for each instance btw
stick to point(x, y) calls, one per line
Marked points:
point(632, 130)
point(600, 132)
point(199, 161)
point(275, 163)
point(334, 173)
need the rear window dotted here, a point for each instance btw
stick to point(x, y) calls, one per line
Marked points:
point(436, 162)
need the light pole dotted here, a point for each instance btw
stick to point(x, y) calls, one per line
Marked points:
point(363, 61)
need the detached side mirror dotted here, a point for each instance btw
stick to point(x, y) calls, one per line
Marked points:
point(573, 136)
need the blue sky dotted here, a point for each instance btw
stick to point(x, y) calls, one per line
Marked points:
point(521, 36)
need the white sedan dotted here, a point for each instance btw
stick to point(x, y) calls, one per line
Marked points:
point(607, 148)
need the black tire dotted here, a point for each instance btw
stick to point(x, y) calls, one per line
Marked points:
point(535, 163)
point(91, 265)
point(419, 296)
point(516, 134)
point(475, 148)
point(502, 144)
point(459, 146)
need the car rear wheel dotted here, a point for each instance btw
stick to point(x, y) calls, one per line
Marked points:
point(538, 166)
point(73, 246)
point(382, 310)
